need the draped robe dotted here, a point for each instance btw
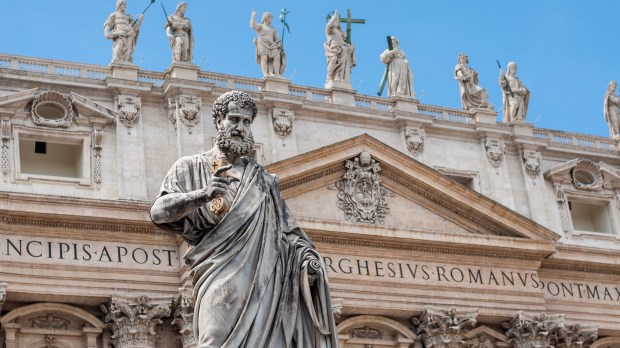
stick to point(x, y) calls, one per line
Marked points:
point(251, 268)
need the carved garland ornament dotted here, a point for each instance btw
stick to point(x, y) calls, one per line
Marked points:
point(129, 110)
point(444, 329)
point(531, 162)
point(495, 151)
point(134, 322)
point(360, 194)
point(97, 138)
point(414, 137)
point(184, 319)
point(282, 120)
point(186, 109)
point(5, 135)
point(52, 109)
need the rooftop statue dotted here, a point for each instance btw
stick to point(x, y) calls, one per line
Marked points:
point(179, 32)
point(399, 77)
point(121, 28)
point(472, 95)
point(339, 51)
point(611, 106)
point(269, 51)
point(515, 96)
point(258, 281)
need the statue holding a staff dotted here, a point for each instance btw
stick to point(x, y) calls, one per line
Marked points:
point(179, 32)
point(515, 96)
point(398, 72)
point(121, 28)
point(269, 51)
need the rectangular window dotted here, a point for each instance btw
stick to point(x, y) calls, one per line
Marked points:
point(589, 217)
point(49, 158)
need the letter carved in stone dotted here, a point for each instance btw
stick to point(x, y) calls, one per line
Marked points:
point(360, 194)
point(575, 336)
point(531, 162)
point(185, 109)
point(5, 135)
point(282, 120)
point(414, 137)
point(444, 329)
point(97, 138)
point(134, 321)
point(495, 151)
point(184, 318)
point(527, 330)
point(129, 110)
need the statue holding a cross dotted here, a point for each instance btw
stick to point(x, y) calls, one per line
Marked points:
point(339, 50)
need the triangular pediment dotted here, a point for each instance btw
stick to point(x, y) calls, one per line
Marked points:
point(443, 206)
point(564, 173)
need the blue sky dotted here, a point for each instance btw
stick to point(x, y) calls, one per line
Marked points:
point(567, 51)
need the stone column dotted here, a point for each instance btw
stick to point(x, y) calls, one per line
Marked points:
point(135, 319)
point(184, 318)
point(438, 328)
point(575, 336)
point(130, 148)
point(527, 330)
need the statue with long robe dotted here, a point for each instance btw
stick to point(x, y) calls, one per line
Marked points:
point(269, 51)
point(515, 96)
point(180, 34)
point(472, 95)
point(258, 281)
point(121, 28)
point(340, 54)
point(611, 112)
point(400, 78)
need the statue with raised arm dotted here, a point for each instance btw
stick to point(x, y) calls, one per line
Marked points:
point(472, 95)
point(258, 281)
point(269, 51)
point(121, 28)
point(340, 54)
point(515, 96)
point(400, 78)
point(179, 32)
point(611, 110)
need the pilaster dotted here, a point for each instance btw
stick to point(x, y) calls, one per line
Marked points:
point(130, 148)
point(438, 328)
point(184, 317)
point(185, 115)
point(527, 330)
point(283, 140)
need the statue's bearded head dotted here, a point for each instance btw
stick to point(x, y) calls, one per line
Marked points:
point(233, 114)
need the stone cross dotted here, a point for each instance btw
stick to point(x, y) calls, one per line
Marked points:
point(349, 21)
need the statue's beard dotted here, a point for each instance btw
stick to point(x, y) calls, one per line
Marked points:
point(228, 146)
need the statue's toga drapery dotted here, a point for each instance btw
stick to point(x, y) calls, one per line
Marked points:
point(251, 269)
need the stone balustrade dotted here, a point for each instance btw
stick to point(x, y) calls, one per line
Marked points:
point(309, 94)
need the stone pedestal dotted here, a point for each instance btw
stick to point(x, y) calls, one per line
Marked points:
point(522, 128)
point(276, 84)
point(338, 84)
point(185, 71)
point(343, 96)
point(485, 116)
point(405, 104)
point(124, 71)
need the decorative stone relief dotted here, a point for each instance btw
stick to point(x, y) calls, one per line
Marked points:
point(134, 321)
point(575, 336)
point(531, 162)
point(366, 332)
point(587, 176)
point(527, 330)
point(282, 120)
point(97, 138)
point(5, 136)
point(52, 109)
point(444, 329)
point(360, 194)
point(2, 294)
point(337, 304)
point(186, 109)
point(495, 151)
point(184, 318)
point(50, 322)
point(414, 137)
point(129, 110)
point(562, 203)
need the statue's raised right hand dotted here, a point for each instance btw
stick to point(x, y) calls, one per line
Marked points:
point(219, 184)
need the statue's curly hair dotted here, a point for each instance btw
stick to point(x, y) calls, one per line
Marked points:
point(220, 106)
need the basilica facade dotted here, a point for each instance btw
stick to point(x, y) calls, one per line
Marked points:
point(438, 227)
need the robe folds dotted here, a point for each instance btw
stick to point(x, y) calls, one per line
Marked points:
point(258, 282)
